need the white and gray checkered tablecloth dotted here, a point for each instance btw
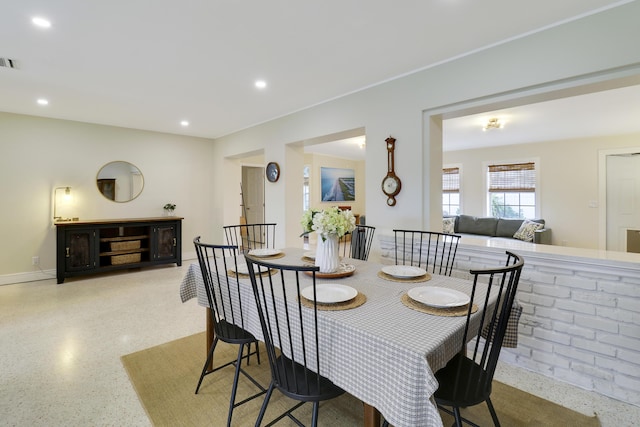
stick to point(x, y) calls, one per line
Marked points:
point(385, 353)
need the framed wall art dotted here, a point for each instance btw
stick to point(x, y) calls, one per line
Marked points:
point(337, 184)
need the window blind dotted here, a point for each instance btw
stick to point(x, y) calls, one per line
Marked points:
point(451, 180)
point(517, 177)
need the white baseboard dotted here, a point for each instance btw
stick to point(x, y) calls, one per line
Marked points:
point(31, 276)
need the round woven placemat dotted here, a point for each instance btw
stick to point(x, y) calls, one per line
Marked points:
point(276, 256)
point(385, 276)
point(232, 273)
point(308, 260)
point(448, 312)
point(352, 303)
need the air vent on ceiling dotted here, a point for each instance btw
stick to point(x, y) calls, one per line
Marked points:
point(8, 63)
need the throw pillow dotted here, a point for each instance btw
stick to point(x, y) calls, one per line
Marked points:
point(527, 230)
point(448, 225)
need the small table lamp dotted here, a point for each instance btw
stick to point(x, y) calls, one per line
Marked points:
point(66, 199)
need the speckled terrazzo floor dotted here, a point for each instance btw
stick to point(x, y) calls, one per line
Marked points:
point(60, 348)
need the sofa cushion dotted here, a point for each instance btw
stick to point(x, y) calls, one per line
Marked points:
point(473, 225)
point(508, 227)
point(527, 230)
point(448, 225)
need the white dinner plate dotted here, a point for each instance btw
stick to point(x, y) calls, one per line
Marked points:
point(435, 296)
point(310, 255)
point(242, 269)
point(327, 293)
point(264, 252)
point(403, 271)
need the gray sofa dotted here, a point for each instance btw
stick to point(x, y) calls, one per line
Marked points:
point(496, 228)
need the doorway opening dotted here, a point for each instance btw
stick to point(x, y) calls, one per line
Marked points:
point(252, 195)
point(586, 85)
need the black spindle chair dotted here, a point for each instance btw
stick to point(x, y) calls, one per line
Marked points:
point(223, 295)
point(357, 244)
point(466, 379)
point(433, 251)
point(251, 236)
point(290, 333)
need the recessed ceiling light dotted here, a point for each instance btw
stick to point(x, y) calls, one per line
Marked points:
point(43, 101)
point(41, 22)
point(261, 84)
point(184, 123)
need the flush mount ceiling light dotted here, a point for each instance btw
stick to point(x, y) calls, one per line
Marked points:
point(260, 84)
point(42, 101)
point(41, 22)
point(184, 123)
point(493, 123)
point(8, 63)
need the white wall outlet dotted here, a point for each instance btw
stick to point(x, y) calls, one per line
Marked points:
point(35, 260)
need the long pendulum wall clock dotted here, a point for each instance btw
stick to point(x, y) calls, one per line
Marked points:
point(391, 183)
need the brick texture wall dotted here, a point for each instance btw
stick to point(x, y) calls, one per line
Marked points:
point(581, 317)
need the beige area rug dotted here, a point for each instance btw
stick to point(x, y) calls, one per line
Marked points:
point(165, 378)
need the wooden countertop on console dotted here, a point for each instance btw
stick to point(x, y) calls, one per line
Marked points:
point(118, 220)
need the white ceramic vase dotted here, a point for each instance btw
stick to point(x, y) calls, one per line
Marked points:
point(327, 257)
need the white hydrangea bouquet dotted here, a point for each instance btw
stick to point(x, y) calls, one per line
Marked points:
point(330, 224)
point(331, 221)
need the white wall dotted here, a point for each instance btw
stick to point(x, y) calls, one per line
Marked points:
point(601, 46)
point(564, 195)
point(40, 154)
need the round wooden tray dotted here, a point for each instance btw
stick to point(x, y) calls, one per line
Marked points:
point(344, 270)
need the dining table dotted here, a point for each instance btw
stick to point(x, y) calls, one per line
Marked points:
point(385, 350)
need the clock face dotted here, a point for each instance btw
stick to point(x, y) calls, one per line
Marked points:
point(391, 185)
point(273, 172)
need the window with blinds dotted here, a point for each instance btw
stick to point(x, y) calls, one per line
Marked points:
point(512, 177)
point(512, 190)
point(450, 191)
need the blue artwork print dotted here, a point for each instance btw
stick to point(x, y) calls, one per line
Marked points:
point(338, 184)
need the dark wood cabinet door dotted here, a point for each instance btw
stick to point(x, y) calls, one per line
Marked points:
point(80, 250)
point(166, 240)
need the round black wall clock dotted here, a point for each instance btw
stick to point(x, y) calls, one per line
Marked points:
point(273, 172)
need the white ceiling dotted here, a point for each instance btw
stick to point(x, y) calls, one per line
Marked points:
point(610, 112)
point(148, 64)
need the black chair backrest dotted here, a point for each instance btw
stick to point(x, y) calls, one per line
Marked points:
point(501, 284)
point(222, 289)
point(357, 244)
point(288, 326)
point(433, 251)
point(251, 236)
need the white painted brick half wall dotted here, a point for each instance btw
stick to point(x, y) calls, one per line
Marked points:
point(581, 315)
